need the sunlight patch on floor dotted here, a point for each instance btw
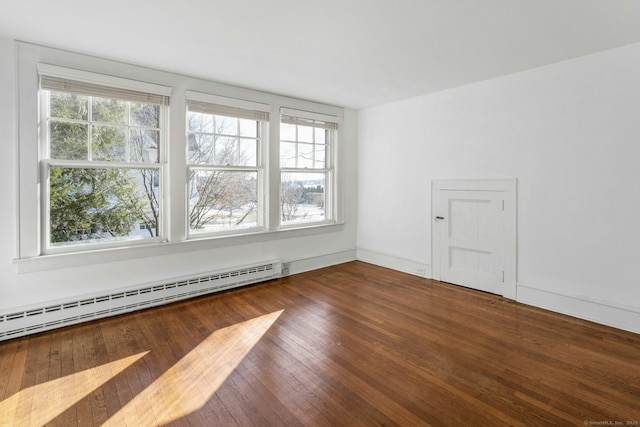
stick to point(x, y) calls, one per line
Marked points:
point(189, 384)
point(41, 403)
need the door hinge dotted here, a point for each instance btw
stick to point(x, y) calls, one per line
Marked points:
point(503, 277)
point(503, 205)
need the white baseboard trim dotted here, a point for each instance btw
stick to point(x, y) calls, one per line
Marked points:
point(301, 265)
point(620, 316)
point(394, 263)
point(608, 313)
point(23, 321)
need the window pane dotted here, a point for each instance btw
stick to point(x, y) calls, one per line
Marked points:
point(288, 154)
point(199, 122)
point(287, 132)
point(307, 149)
point(249, 128)
point(226, 150)
point(109, 143)
point(321, 135)
point(320, 157)
point(68, 141)
point(226, 125)
point(100, 205)
point(305, 155)
point(200, 149)
point(302, 198)
point(305, 134)
point(146, 115)
point(110, 111)
point(68, 106)
point(248, 152)
point(222, 200)
point(143, 145)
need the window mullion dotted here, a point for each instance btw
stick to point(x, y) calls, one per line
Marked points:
point(273, 170)
point(127, 147)
point(176, 203)
point(297, 144)
point(89, 127)
point(238, 145)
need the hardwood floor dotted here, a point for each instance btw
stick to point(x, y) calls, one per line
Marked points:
point(349, 345)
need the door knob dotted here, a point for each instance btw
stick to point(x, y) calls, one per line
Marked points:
point(439, 218)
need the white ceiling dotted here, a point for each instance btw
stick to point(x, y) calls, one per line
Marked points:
point(353, 53)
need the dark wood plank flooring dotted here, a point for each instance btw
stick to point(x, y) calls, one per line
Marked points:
point(349, 345)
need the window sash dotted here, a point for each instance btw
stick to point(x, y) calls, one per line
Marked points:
point(258, 210)
point(71, 246)
point(289, 218)
point(327, 144)
point(129, 128)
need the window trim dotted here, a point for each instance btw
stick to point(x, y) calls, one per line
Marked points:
point(29, 257)
point(97, 85)
point(242, 109)
point(332, 188)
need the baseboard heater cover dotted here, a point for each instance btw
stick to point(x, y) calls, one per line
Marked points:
point(55, 315)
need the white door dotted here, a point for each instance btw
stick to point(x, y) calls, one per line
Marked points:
point(474, 234)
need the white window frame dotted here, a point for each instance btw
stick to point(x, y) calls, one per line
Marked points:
point(30, 256)
point(331, 188)
point(108, 86)
point(235, 107)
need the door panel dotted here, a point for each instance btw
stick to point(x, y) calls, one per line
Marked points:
point(474, 234)
point(470, 243)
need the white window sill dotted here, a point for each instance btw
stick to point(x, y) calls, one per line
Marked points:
point(77, 259)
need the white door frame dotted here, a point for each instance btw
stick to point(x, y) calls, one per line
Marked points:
point(508, 189)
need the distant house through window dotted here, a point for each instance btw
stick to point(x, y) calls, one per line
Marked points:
point(306, 165)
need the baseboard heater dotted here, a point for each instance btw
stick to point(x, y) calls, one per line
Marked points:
point(55, 315)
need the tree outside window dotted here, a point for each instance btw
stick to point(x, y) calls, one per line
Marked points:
point(104, 179)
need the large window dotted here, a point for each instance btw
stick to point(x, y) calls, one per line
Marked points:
point(101, 149)
point(225, 164)
point(306, 165)
point(118, 161)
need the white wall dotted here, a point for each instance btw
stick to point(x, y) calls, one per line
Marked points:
point(308, 249)
point(570, 133)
